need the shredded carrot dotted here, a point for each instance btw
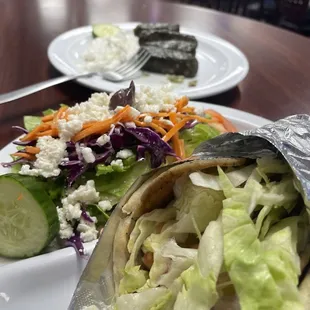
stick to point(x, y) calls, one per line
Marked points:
point(49, 132)
point(173, 117)
point(32, 134)
point(160, 114)
point(47, 118)
point(181, 103)
point(24, 155)
point(32, 149)
point(198, 118)
point(102, 126)
point(175, 129)
point(188, 110)
point(20, 196)
point(152, 125)
point(161, 124)
point(89, 124)
point(177, 144)
point(226, 123)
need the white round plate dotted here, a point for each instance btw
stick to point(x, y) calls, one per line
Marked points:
point(221, 65)
point(48, 281)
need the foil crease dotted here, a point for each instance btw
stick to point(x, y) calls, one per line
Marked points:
point(288, 138)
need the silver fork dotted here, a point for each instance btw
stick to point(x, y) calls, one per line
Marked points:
point(121, 73)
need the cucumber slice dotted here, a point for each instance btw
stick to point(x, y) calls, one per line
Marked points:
point(28, 216)
point(105, 30)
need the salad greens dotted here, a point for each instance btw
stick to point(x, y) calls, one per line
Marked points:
point(89, 155)
point(194, 136)
point(239, 230)
point(113, 181)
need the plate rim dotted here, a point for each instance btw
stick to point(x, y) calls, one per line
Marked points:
point(232, 114)
point(198, 94)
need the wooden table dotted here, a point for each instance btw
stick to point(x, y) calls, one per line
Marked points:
point(277, 85)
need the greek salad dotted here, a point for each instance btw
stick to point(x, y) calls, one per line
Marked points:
point(72, 165)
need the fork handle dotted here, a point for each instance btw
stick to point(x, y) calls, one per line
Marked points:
point(28, 90)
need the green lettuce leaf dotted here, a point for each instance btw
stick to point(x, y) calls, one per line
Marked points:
point(280, 193)
point(102, 169)
point(31, 122)
point(102, 217)
point(274, 216)
point(246, 260)
point(48, 112)
point(269, 165)
point(194, 136)
point(150, 299)
point(169, 262)
point(196, 207)
point(113, 185)
point(144, 227)
point(236, 177)
point(280, 254)
point(133, 279)
point(199, 290)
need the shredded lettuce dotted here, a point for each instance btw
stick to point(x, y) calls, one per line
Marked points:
point(236, 177)
point(194, 136)
point(199, 290)
point(244, 262)
point(241, 221)
point(280, 255)
point(169, 262)
point(150, 299)
point(133, 279)
point(144, 227)
point(246, 259)
point(197, 206)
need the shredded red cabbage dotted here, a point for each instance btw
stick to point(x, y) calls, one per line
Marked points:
point(76, 242)
point(22, 129)
point(153, 143)
point(86, 216)
point(20, 161)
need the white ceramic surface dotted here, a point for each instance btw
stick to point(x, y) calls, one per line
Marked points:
point(221, 65)
point(48, 281)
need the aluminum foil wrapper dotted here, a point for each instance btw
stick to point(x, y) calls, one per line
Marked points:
point(288, 138)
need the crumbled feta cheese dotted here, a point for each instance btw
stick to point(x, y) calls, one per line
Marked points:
point(71, 212)
point(104, 139)
point(66, 230)
point(52, 151)
point(152, 99)
point(96, 108)
point(148, 119)
point(134, 113)
point(88, 154)
point(88, 230)
point(130, 125)
point(69, 129)
point(105, 205)
point(166, 121)
point(123, 154)
point(117, 162)
point(85, 193)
